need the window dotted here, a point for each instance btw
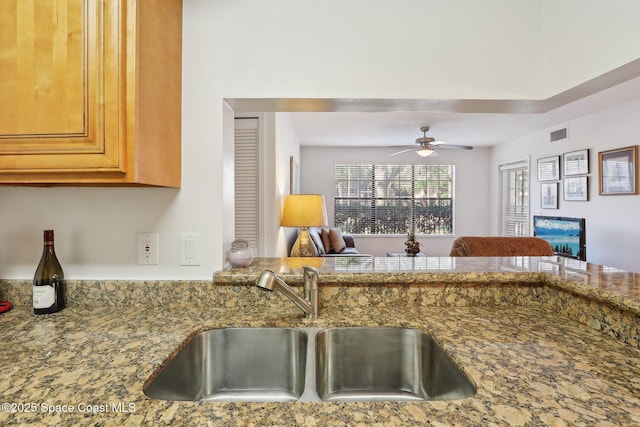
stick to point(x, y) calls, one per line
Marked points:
point(394, 199)
point(515, 199)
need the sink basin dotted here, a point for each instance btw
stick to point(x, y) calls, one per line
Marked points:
point(235, 364)
point(309, 365)
point(385, 364)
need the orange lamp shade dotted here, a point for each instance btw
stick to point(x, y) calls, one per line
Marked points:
point(304, 210)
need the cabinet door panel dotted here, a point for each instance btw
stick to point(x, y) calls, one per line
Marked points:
point(60, 64)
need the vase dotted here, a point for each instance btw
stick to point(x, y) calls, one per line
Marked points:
point(412, 250)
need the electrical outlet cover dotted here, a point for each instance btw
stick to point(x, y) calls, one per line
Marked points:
point(148, 248)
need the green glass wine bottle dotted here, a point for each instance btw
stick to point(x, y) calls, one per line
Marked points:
point(48, 282)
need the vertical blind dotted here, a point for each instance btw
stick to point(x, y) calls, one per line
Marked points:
point(515, 199)
point(246, 170)
point(394, 199)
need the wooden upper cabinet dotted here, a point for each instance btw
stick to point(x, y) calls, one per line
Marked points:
point(90, 92)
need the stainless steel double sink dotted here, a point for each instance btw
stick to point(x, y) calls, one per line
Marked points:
point(309, 365)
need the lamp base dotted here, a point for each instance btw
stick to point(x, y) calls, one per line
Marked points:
point(304, 247)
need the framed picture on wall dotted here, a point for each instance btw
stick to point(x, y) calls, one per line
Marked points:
point(549, 169)
point(575, 163)
point(549, 195)
point(294, 176)
point(576, 189)
point(618, 170)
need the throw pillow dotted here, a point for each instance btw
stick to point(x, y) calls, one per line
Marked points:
point(336, 239)
point(325, 239)
point(314, 233)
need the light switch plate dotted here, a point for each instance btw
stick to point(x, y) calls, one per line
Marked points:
point(189, 248)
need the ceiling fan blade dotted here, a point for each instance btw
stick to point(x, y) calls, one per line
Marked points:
point(402, 151)
point(460, 147)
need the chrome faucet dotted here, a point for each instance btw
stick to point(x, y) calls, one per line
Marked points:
point(309, 304)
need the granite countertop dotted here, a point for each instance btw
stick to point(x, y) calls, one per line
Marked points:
point(532, 365)
point(615, 286)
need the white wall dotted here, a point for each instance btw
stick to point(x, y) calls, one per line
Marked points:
point(287, 147)
point(575, 30)
point(287, 49)
point(612, 226)
point(372, 48)
point(471, 190)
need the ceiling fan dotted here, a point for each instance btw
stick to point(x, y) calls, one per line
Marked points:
point(426, 146)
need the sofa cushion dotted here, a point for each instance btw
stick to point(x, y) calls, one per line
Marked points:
point(315, 234)
point(325, 239)
point(320, 238)
point(500, 246)
point(337, 242)
point(348, 240)
point(349, 251)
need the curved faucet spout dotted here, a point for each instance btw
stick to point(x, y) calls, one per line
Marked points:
point(267, 280)
point(270, 281)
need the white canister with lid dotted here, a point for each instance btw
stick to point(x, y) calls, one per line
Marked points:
point(240, 254)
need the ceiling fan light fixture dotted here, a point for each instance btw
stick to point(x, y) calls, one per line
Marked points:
point(424, 152)
point(428, 146)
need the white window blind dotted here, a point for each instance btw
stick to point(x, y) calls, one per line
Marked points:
point(394, 199)
point(246, 181)
point(515, 199)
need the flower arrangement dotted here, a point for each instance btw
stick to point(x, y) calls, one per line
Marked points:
point(412, 245)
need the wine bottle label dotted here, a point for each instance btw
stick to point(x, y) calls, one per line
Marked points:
point(43, 296)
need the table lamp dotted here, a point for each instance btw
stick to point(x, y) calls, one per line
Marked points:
point(304, 210)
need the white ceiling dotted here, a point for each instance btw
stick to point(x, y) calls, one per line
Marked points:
point(398, 128)
point(402, 128)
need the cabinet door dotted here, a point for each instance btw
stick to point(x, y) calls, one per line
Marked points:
point(62, 86)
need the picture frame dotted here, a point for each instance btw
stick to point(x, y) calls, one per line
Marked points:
point(576, 188)
point(549, 168)
point(549, 195)
point(294, 176)
point(575, 163)
point(618, 171)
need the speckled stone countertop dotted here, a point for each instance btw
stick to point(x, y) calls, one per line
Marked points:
point(508, 325)
point(612, 285)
